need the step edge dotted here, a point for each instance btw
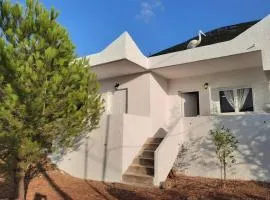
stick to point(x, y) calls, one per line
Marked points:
point(139, 184)
point(141, 173)
point(153, 139)
point(143, 166)
point(152, 143)
point(144, 158)
point(138, 175)
point(147, 150)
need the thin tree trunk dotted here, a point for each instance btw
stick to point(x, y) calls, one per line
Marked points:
point(224, 171)
point(20, 186)
point(224, 166)
point(221, 170)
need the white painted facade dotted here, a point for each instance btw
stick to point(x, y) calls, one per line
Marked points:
point(148, 103)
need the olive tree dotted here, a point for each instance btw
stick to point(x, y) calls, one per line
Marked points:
point(225, 144)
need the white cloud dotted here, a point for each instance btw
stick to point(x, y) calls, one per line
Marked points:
point(148, 9)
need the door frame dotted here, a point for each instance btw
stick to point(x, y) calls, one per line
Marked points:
point(126, 90)
point(180, 93)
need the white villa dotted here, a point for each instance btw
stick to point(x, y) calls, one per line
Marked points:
point(156, 105)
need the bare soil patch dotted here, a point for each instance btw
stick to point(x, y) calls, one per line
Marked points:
point(54, 185)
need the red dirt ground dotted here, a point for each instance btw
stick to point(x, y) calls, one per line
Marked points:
point(54, 185)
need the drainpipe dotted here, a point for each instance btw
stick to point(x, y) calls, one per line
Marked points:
point(267, 102)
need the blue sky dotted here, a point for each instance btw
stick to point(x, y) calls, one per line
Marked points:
point(153, 24)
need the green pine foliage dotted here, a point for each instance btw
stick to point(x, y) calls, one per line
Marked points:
point(225, 144)
point(48, 98)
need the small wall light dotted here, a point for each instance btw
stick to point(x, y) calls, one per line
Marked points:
point(205, 85)
point(116, 86)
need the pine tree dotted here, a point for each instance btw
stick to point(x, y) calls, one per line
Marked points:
point(48, 98)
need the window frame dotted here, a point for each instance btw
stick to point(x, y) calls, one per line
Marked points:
point(236, 103)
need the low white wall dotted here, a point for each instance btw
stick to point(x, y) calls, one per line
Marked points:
point(252, 156)
point(136, 131)
point(98, 157)
point(166, 153)
point(109, 150)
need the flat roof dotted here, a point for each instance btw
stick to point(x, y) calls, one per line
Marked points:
point(218, 35)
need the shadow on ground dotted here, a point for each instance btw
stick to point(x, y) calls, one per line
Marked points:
point(53, 185)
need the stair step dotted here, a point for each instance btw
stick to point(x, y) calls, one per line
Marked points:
point(144, 161)
point(154, 140)
point(150, 146)
point(147, 154)
point(132, 178)
point(140, 169)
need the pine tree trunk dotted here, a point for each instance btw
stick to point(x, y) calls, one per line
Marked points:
point(224, 171)
point(221, 171)
point(20, 186)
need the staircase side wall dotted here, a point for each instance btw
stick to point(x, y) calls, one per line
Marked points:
point(166, 153)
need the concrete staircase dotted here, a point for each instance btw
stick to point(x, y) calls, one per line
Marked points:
point(141, 171)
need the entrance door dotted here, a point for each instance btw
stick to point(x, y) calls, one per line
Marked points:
point(119, 102)
point(190, 104)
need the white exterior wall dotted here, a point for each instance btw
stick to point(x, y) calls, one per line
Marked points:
point(209, 99)
point(136, 131)
point(138, 86)
point(188, 130)
point(158, 104)
point(154, 108)
point(252, 159)
point(110, 149)
point(99, 157)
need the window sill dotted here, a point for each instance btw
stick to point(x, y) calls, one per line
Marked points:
point(241, 113)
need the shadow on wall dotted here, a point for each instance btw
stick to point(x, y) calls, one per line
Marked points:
point(253, 134)
point(105, 153)
point(197, 151)
point(252, 156)
point(175, 116)
point(161, 133)
point(90, 157)
point(107, 149)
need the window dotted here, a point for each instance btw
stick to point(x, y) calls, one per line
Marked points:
point(236, 100)
point(245, 99)
point(226, 101)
